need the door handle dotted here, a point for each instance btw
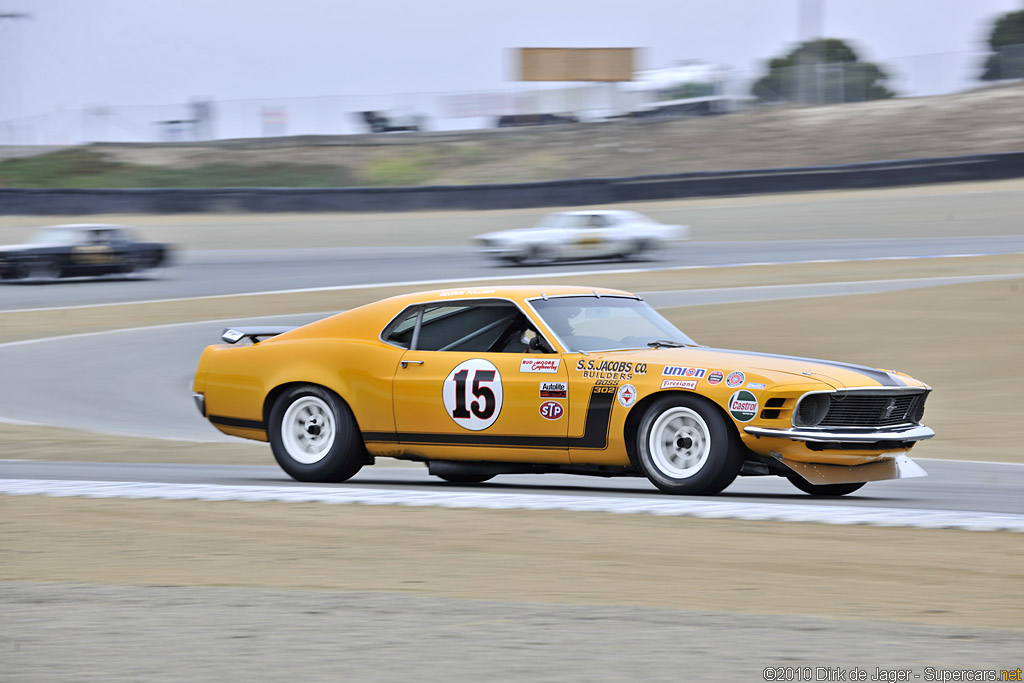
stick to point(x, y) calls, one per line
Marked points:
point(407, 363)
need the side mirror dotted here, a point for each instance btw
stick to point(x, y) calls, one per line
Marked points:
point(537, 343)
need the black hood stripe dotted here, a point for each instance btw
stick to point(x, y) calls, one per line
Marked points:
point(882, 377)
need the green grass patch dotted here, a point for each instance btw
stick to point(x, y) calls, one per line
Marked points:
point(84, 168)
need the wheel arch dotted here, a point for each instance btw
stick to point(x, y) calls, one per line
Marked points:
point(636, 416)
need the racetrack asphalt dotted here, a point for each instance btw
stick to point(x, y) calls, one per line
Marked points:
point(949, 486)
point(90, 381)
point(212, 273)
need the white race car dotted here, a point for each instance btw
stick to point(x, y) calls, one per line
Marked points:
point(580, 235)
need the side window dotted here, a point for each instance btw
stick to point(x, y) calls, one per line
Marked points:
point(399, 332)
point(597, 222)
point(480, 327)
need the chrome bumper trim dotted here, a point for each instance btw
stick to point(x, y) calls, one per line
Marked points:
point(200, 403)
point(823, 436)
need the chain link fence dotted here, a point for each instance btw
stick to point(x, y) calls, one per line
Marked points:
point(515, 104)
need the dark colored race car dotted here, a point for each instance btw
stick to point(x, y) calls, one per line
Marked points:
point(80, 250)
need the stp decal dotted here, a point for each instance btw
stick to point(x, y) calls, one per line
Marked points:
point(676, 371)
point(472, 394)
point(551, 410)
point(554, 390)
point(679, 384)
point(735, 379)
point(627, 395)
point(539, 364)
point(743, 405)
point(715, 377)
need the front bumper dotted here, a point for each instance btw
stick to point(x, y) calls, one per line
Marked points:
point(918, 433)
point(899, 467)
point(501, 250)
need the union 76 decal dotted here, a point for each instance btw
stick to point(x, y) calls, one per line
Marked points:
point(472, 394)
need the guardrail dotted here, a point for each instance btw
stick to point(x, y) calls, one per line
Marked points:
point(575, 192)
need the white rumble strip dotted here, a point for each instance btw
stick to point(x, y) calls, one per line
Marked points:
point(708, 509)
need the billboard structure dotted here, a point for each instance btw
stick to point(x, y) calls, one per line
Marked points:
point(567, 64)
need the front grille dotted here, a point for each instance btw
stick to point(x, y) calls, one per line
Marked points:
point(849, 409)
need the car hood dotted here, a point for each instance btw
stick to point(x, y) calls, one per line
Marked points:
point(777, 369)
point(15, 248)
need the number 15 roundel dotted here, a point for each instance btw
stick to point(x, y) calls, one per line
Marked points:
point(472, 394)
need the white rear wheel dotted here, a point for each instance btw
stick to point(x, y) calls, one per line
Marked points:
point(307, 430)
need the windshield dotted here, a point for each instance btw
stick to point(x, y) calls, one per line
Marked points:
point(590, 323)
point(53, 236)
point(559, 220)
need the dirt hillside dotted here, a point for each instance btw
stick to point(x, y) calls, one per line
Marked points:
point(980, 121)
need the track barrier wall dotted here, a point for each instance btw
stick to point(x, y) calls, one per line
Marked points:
point(575, 192)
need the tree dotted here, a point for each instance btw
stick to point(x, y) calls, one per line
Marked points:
point(820, 71)
point(1007, 44)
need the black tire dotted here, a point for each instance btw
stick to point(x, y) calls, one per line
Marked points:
point(635, 251)
point(825, 489)
point(299, 422)
point(465, 477)
point(686, 446)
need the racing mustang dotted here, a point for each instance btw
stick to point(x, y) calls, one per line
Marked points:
point(482, 382)
point(580, 235)
point(82, 249)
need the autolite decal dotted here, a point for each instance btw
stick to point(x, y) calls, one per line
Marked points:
point(554, 390)
point(743, 405)
point(715, 377)
point(690, 384)
point(677, 371)
point(539, 364)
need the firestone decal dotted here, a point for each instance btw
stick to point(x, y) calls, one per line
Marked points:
point(735, 379)
point(551, 410)
point(472, 394)
point(627, 395)
point(690, 384)
point(743, 405)
point(540, 364)
point(554, 390)
point(715, 377)
point(677, 371)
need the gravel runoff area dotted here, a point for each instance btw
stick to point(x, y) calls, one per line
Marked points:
point(130, 590)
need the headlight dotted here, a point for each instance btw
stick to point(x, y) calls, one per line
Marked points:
point(811, 410)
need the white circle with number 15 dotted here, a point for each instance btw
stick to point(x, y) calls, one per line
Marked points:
point(472, 394)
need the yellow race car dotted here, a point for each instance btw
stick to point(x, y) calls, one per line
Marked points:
point(481, 382)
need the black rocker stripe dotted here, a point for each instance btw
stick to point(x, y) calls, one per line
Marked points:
point(880, 376)
point(237, 422)
point(595, 431)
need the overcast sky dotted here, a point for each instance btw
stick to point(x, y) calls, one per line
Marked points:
point(73, 54)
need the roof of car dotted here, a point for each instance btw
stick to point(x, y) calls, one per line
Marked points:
point(84, 226)
point(513, 292)
point(592, 212)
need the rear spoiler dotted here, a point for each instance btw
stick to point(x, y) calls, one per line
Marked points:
point(233, 335)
